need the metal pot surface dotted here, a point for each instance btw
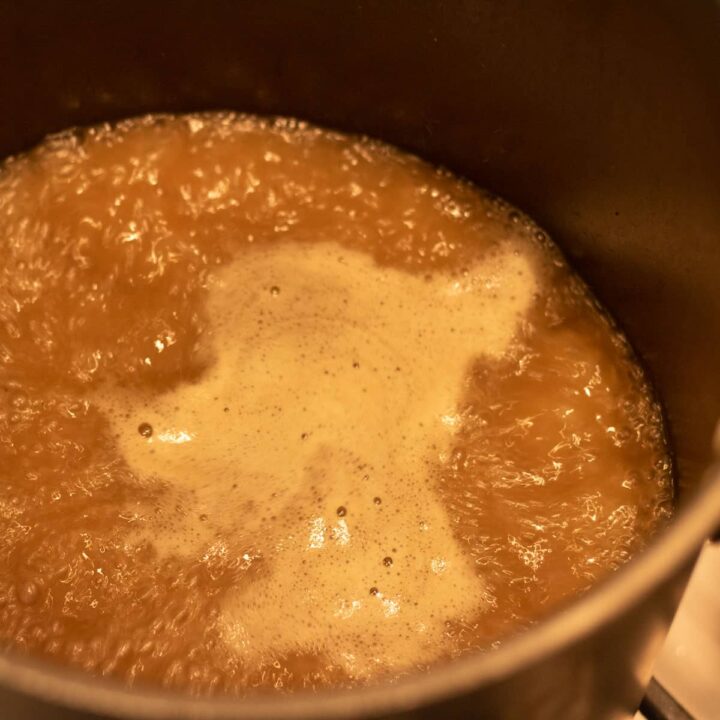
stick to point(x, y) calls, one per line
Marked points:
point(598, 119)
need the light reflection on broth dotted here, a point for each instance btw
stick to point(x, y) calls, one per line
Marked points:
point(288, 409)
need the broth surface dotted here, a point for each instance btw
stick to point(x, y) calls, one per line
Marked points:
point(283, 408)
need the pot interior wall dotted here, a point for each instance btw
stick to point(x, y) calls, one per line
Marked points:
point(599, 119)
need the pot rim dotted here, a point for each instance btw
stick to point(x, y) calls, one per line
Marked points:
point(677, 546)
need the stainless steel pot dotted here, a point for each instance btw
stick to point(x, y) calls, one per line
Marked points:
point(600, 119)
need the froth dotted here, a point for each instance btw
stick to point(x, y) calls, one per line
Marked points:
point(307, 447)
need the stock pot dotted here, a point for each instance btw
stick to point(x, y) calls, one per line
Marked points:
point(600, 119)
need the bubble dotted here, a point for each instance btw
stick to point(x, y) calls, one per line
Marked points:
point(387, 561)
point(341, 511)
point(28, 593)
point(145, 429)
point(275, 290)
point(19, 400)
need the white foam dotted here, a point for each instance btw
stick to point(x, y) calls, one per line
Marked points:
point(336, 382)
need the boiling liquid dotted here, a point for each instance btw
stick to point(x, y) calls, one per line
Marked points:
point(289, 409)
